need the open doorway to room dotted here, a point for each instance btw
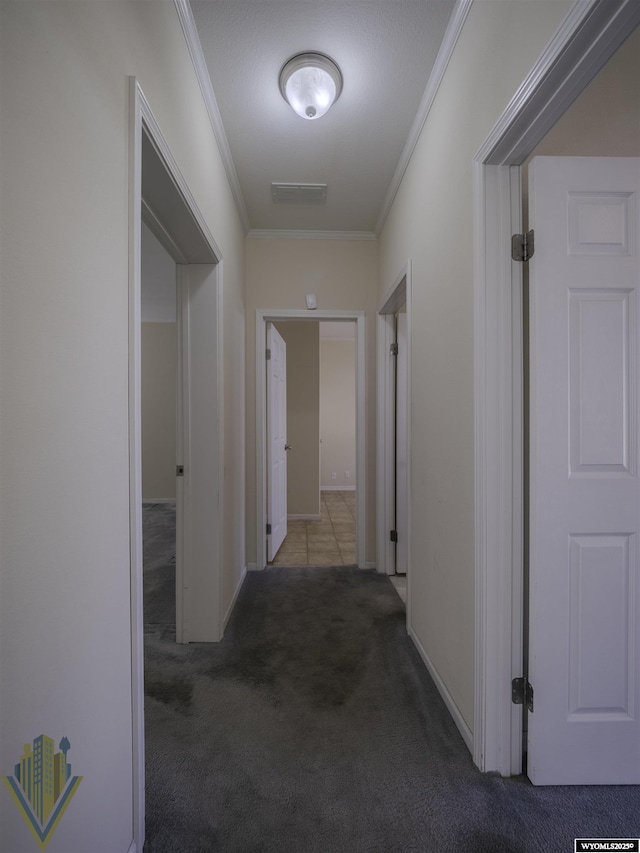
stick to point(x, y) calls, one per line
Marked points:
point(338, 486)
point(158, 379)
point(350, 516)
point(393, 492)
point(586, 164)
point(580, 750)
point(320, 437)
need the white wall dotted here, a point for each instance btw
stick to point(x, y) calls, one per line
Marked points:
point(338, 413)
point(431, 223)
point(65, 646)
point(343, 275)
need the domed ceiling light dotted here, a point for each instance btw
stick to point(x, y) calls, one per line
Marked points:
point(310, 83)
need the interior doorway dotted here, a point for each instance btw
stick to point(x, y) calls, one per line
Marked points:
point(160, 197)
point(159, 416)
point(587, 39)
point(394, 433)
point(304, 324)
point(594, 149)
point(320, 442)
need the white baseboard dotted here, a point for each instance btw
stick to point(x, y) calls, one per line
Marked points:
point(133, 848)
point(243, 575)
point(337, 488)
point(252, 567)
point(369, 566)
point(458, 719)
point(299, 517)
point(158, 500)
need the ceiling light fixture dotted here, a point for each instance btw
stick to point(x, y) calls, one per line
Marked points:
point(310, 83)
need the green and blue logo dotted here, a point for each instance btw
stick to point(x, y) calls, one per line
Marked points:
point(42, 786)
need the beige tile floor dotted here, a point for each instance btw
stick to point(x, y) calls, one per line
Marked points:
point(328, 542)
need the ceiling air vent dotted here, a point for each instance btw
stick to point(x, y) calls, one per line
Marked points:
point(299, 193)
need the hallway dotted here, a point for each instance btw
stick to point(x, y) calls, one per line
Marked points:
point(314, 727)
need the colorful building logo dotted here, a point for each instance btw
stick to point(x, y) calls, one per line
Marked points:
point(43, 786)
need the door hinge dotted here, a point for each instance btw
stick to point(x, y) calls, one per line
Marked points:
point(522, 693)
point(179, 470)
point(522, 246)
point(268, 530)
point(393, 349)
point(268, 354)
point(393, 535)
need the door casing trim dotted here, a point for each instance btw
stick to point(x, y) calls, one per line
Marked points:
point(392, 299)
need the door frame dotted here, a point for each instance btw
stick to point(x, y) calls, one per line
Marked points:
point(590, 34)
point(276, 416)
point(185, 235)
point(264, 316)
point(398, 292)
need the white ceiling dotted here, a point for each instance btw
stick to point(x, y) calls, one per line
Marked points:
point(386, 50)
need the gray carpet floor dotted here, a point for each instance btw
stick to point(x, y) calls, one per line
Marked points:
point(313, 727)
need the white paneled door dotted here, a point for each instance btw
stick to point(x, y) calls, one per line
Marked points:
point(584, 649)
point(276, 440)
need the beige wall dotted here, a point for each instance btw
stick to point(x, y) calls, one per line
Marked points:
point(158, 379)
point(303, 416)
point(343, 275)
point(431, 219)
point(65, 609)
point(338, 413)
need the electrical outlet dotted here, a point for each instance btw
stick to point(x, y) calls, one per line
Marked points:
point(347, 475)
point(333, 475)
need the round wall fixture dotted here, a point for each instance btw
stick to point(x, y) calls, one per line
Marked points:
point(310, 83)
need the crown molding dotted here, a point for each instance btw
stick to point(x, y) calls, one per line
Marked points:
point(451, 36)
point(188, 25)
point(266, 234)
